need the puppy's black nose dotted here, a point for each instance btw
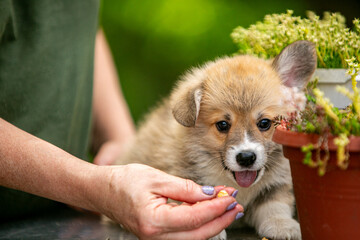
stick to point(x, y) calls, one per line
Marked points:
point(246, 159)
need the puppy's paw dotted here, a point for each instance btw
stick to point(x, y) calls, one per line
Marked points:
point(280, 228)
point(220, 236)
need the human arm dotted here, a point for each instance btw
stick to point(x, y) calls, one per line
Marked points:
point(30, 164)
point(113, 126)
point(133, 195)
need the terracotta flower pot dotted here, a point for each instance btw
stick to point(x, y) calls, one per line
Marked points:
point(328, 206)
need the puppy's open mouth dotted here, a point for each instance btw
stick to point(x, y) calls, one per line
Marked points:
point(246, 178)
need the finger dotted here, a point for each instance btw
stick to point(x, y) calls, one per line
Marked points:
point(184, 190)
point(230, 190)
point(207, 230)
point(185, 217)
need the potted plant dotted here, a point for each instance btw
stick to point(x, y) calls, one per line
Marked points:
point(322, 142)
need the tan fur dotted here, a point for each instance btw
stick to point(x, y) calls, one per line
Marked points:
point(180, 136)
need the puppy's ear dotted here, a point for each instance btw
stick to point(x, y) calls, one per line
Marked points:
point(296, 63)
point(186, 99)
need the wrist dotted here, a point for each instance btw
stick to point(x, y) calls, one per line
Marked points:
point(98, 189)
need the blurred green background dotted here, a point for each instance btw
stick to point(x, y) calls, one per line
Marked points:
point(155, 41)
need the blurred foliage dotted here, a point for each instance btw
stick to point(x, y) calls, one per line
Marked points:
point(156, 41)
point(334, 41)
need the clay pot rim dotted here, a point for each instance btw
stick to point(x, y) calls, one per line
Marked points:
point(296, 139)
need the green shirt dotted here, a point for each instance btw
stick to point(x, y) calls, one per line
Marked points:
point(46, 73)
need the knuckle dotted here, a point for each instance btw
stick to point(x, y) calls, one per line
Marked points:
point(148, 231)
point(194, 221)
point(189, 186)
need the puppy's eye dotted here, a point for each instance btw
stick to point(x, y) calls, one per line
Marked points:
point(223, 126)
point(264, 124)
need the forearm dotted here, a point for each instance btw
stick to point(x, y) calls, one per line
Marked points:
point(112, 120)
point(32, 165)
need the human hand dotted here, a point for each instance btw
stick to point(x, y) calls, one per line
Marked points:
point(138, 195)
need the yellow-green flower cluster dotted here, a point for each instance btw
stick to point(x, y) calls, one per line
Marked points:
point(342, 156)
point(353, 71)
point(334, 41)
point(325, 104)
point(340, 123)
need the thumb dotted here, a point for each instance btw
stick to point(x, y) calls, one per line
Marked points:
point(186, 190)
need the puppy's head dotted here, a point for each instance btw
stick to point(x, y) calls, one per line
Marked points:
point(229, 106)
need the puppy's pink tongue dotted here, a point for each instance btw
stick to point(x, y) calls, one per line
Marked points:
point(245, 178)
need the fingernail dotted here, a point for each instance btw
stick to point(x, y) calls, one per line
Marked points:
point(208, 190)
point(239, 215)
point(235, 193)
point(231, 206)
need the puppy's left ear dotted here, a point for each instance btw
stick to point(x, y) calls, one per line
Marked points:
point(296, 63)
point(186, 98)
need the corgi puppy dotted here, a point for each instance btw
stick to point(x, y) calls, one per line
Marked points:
point(216, 129)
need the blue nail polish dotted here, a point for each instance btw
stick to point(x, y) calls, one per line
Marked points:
point(239, 215)
point(234, 194)
point(231, 206)
point(208, 190)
